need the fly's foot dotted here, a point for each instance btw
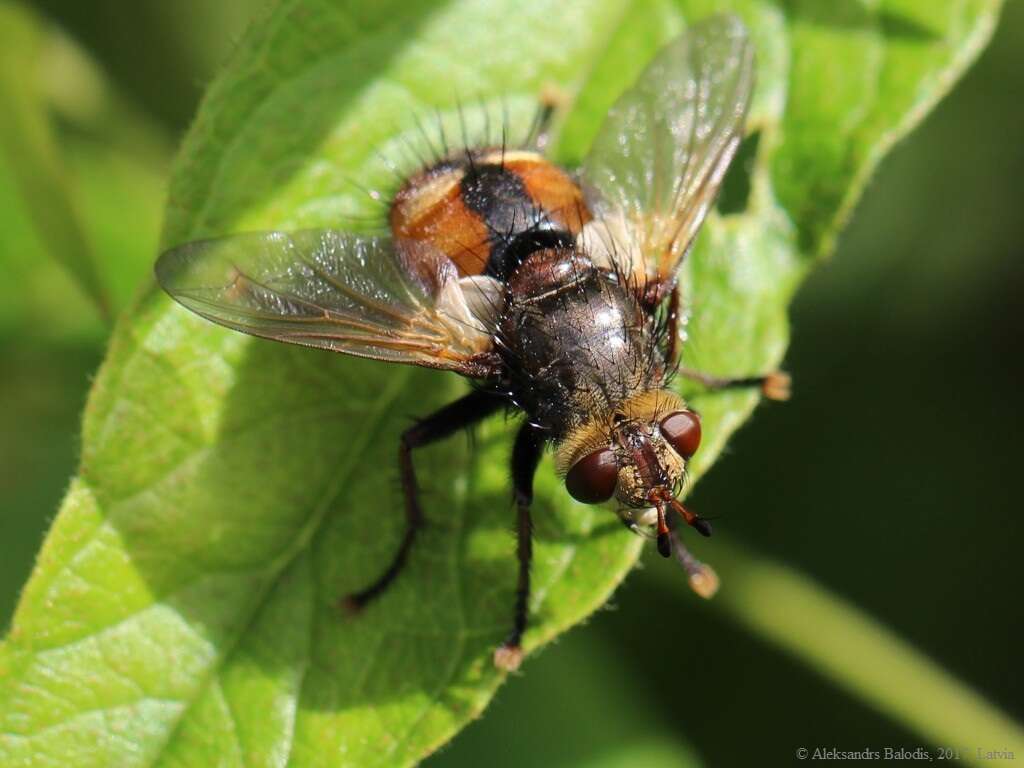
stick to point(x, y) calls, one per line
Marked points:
point(508, 656)
point(350, 605)
point(703, 580)
point(777, 385)
point(702, 577)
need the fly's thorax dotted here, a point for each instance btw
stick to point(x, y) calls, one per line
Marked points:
point(576, 340)
point(547, 272)
point(644, 458)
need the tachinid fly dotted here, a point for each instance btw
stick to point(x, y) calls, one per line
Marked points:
point(555, 291)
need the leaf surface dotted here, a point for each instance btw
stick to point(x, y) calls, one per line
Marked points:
point(184, 607)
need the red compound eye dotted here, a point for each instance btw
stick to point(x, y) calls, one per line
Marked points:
point(592, 479)
point(682, 430)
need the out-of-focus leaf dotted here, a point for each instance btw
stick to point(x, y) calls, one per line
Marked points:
point(159, 56)
point(36, 293)
point(27, 139)
point(649, 754)
point(184, 606)
point(120, 198)
point(110, 164)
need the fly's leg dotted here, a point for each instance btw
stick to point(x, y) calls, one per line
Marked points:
point(650, 294)
point(551, 99)
point(464, 412)
point(526, 453)
point(774, 385)
point(703, 579)
point(672, 348)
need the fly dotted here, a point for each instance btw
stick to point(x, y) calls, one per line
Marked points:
point(556, 292)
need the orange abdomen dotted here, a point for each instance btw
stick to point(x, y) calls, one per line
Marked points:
point(473, 209)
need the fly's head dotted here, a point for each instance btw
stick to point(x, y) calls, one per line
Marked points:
point(637, 454)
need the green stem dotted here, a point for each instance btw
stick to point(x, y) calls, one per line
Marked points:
point(857, 653)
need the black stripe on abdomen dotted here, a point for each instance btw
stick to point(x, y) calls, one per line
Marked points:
point(516, 227)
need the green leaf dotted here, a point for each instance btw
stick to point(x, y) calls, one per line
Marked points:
point(27, 139)
point(81, 186)
point(184, 607)
point(38, 296)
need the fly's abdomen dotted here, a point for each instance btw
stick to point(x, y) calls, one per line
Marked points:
point(489, 210)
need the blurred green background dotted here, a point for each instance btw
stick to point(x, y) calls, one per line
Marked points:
point(889, 478)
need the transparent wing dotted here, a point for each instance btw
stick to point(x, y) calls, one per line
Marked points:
point(336, 291)
point(659, 158)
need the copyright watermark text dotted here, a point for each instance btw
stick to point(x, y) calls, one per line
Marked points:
point(927, 754)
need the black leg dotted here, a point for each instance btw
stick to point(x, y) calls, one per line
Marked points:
point(464, 412)
point(702, 578)
point(672, 347)
point(551, 99)
point(537, 138)
point(526, 455)
point(774, 386)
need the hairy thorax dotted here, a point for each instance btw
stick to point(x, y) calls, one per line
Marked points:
point(577, 339)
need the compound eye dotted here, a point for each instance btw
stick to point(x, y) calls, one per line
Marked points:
point(682, 430)
point(592, 479)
